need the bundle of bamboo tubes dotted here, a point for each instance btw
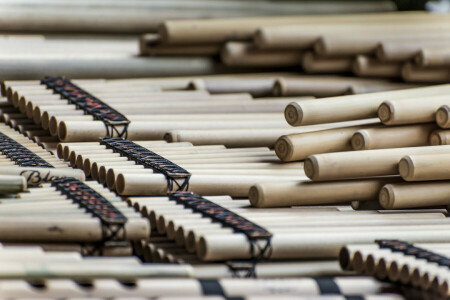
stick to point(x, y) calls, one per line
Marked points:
point(411, 46)
point(421, 265)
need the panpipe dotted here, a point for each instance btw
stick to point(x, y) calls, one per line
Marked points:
point(421, 266)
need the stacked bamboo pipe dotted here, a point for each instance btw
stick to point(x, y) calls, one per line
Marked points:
point(363, 163)
point(411, 46)
point(423, 266)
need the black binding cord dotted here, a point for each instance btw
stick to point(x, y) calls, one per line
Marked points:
point(177, 177)
point(112, 220)
point(21, 155)
point(259, 238)
point(116, 124)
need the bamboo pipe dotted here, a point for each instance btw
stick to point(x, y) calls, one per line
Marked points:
point(147, 48)
point(395, 196)
point(35, 176)
point(156, 184)
point(336, 109)
point(306, 245)
point(220, 30)
point(439, 137)
point(301, 36)
point(284, 194)
point(365, 163)
point(355, 44)
point(411, 73)
point(248, 137)
point(296, 147)
point(246, 55)
point(314, 64)
point(74, 131)
point(401, 51)
point(114, 66)
point(308, 86)
point(12, 184)
point(410, 111)
point(51, 121)
point(424, 167)
point(433, 57)
point(365, 66)
point(442, 116)
point(392, 137)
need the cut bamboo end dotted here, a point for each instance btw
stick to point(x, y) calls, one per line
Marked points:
point(256, 195)
point(435, 139)
point(284, 148)
point(387, 197)
point(385, 112)
point(311, 168)
point(293, 114)
point(360, 140)
point(406, 168)
point(442, 116)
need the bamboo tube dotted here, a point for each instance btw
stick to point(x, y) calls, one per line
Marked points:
point(392, 137)
point(118, 67)
point(245, 54)
point(296, 147)
point(150, 44)
point(76, 131)
point(395, 196)
point(410, 111)
point(365, 163)
point(433, 57)
point(12, 184)
point(51, 121)
point(283, 194)
point(439, 137)
point(248, 137)
point(309, 86)
point(305, 245)
point(411, 73)
point(220, 30)
point(300, 36)
point(402, 51)
point(336, 109)
point(235, 186)
point(442, 116)
point(355, 44)
point(314, 64)
point(424, 167)
point(365, 66)
point(35, 176)
point(257, 87)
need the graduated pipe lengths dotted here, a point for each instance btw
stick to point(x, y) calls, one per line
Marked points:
point(364, 163)
point(337, 109)
point(392, 137)
point(425, 167)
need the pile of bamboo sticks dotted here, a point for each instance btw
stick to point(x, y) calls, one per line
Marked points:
point(411, 46)
point(422, 266)
point(369, 162)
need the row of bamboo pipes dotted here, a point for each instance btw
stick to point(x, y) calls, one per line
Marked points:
point(413, 46)
point(299, 232)
point(397, 267)
point(254, 122)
